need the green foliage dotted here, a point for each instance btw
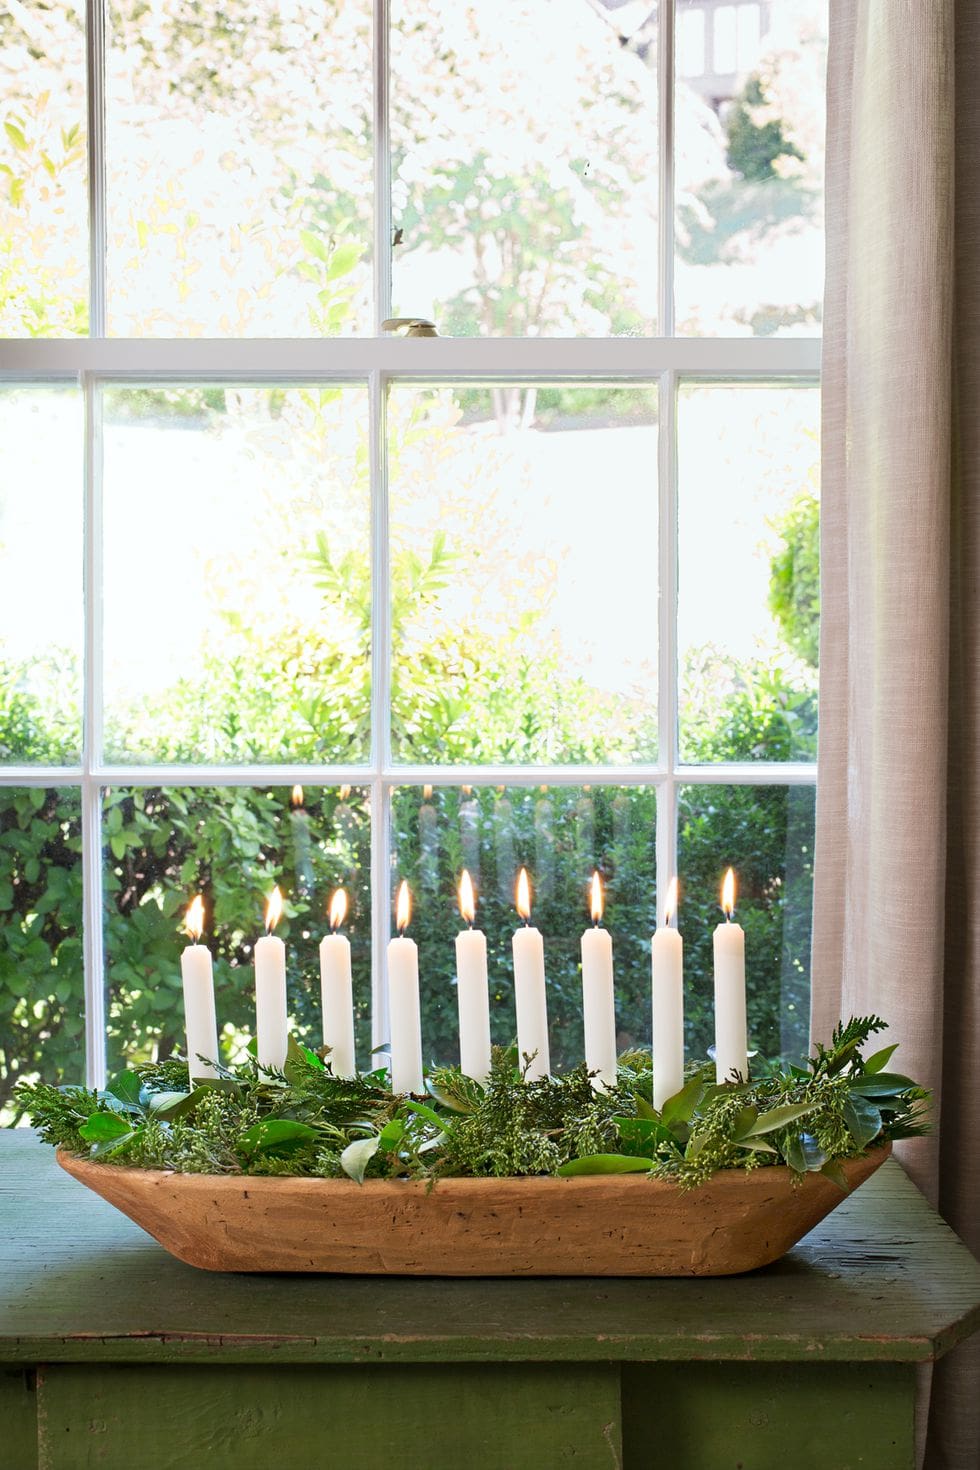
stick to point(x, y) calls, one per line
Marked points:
point(794, 579)
point(757, 142)
point(305, 1121)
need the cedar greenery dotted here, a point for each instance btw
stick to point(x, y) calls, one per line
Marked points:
point(305, 1121)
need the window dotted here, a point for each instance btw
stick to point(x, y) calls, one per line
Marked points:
point(287, 599)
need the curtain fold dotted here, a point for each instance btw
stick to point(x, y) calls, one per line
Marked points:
point(897, 870)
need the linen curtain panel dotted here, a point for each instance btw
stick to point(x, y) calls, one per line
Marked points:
point(897, 880)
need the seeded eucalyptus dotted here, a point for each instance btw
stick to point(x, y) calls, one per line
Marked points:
point(304, 1121)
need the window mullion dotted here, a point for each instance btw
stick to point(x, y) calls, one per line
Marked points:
point(380, 709)
point(92, 902)
point(665, 90)
point(382, 164)
point(95, 47)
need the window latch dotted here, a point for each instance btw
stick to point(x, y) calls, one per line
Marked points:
point(415, 326)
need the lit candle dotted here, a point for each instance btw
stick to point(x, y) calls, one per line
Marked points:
point(598, 998)
point(667, 953)
point(336, 992)
point(731, 1043)
point(198, 978)
point(529, 990)
point(403, 1003)
point(270, 991)
point(472, 989)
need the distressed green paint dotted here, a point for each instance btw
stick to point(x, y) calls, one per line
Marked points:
point(768, 1416)
point(496, 1418)
point(18, 1418)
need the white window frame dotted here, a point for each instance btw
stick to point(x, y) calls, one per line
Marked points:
point(664, 361)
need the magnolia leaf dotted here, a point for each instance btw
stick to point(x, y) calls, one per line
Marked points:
point(298, 1061)
point(356, 1157)
point(169, 1105)
point(879, 1059)
point(643, 1134)
point(103, 1127)
point(107, 1146)
point(680, 1108)
point(275, 1136)
point(757, 1145)
point(862, 1118)
point(880, 1084)
point(604, 1164)
point(779, 1118)
point(643, 1108)
point(744, 1122)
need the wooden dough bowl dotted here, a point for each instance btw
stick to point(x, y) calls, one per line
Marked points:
point(594, 1225)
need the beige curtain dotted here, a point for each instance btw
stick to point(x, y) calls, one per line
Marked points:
point(897, 892)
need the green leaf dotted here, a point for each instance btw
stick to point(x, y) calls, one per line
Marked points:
point(16, 136)
point(169, 1105)
point(744, 1122)
point(356, 1157)
point(878, 1060)
point(832, 1170)
point(296, 1067)
point(429, 1114)
point(643, 1108)
point(343, 260)
point(315, 245)
point(643, 1134)
point(757, 1145)
point(101, 1127)
point(880, 1084)
point(126, 1088)
point(391, 1135)
point(680, 1108)
point(779, 1118)
point(275, 1136)
point(107, 1146)
point(862, 1118)
point(604, 1164)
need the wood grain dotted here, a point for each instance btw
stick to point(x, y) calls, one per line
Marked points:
point(599, 1225)
point(881, 1279)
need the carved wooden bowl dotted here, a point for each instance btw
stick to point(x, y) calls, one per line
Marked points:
point(596, 1225)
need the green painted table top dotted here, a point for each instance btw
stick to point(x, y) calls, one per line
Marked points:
point(881, 1279)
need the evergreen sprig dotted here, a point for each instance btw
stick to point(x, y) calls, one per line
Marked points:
point(305, 1121)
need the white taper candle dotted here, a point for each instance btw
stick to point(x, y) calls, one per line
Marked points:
point(731, 1036)
point(667, 957)
point(198, 981)
point(337, 992)
point(530, 997)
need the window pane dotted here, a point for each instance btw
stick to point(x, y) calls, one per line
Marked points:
point(562, 834)
point(524, 567)
point(524, 167)
point(749, 171)
point(233, 845)
point(766, 832)
point(41, 986)
point(749, 578)
point(43, 191)
point(237, 573)
point(41, 503)
point(239, 168)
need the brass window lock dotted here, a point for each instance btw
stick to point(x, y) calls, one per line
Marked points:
point(415, 326)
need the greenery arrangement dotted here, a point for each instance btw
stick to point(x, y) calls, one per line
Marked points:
point(305, 1121)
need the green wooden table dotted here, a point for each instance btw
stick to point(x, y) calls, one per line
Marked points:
point(112, 1354)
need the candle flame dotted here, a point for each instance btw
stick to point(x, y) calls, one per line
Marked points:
point(426, 793)
point(338, 909)
point(670, 907)
point(194, 918)
point(344, 793)
point(273, 910)
point(728, 893)
point(596, 897)
point(524, 895)
point(467, 898)
point(467, 790)
point(297, 797)
point(403, 908)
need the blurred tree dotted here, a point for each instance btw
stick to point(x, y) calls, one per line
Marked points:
point(794, 583)
point(757, 141)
